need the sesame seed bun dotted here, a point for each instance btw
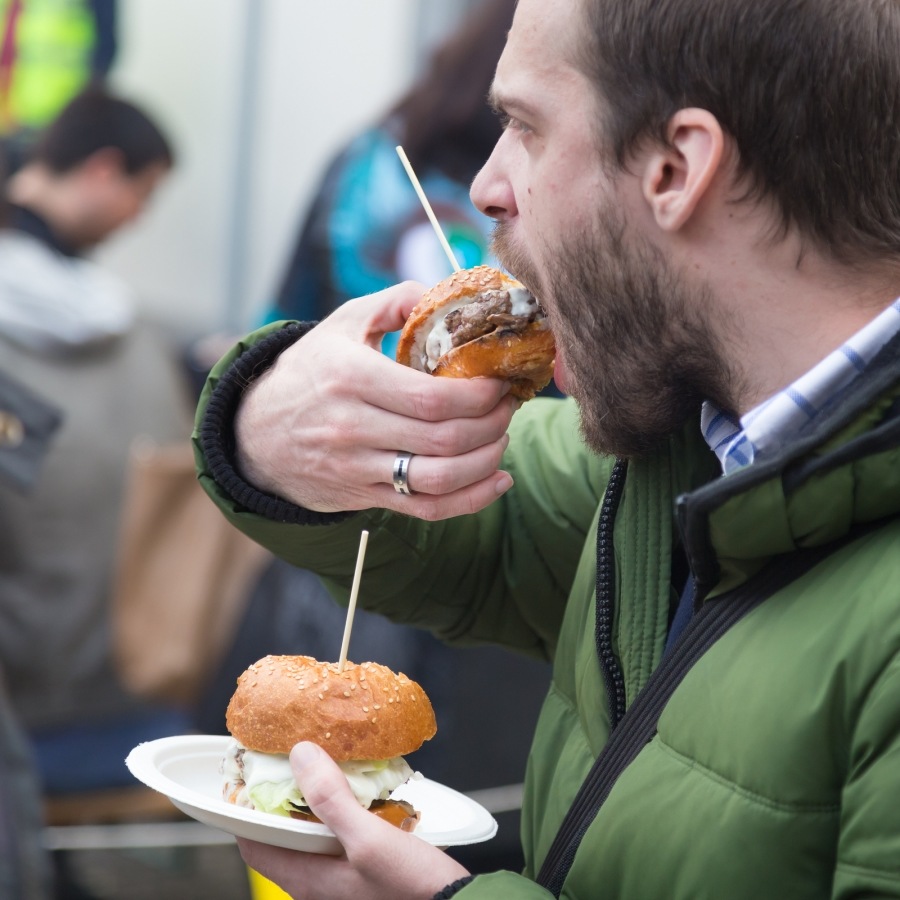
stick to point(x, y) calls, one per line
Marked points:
point(365, 712)
point(524, 359)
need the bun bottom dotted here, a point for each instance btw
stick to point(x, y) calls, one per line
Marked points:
point(399, 813)
point(524, 359)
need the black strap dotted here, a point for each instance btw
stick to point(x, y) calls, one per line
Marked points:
point(638, 726)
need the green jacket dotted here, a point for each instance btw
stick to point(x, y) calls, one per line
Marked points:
point(776, 768)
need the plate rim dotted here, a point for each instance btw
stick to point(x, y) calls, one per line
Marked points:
point(142, 763)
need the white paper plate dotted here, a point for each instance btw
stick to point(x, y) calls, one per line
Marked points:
point(186, 770)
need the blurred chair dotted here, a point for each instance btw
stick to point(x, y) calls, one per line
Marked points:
point(109, 806)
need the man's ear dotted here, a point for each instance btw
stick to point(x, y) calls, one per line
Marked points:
point(676, 178)
point(105, 163)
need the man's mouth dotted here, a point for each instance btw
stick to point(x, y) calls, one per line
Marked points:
point(560, 375)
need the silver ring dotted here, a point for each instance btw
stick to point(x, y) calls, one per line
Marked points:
point(401, 472)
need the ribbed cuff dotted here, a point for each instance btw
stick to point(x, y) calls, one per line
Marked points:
point(452, 889)
point(217, 431)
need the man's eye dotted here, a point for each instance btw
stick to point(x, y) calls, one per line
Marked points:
point(510, 123)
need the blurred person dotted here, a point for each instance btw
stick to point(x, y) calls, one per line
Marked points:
point(51, 50)
point(70, 330)
point(27, 426)
point(704, 539)
point(366, 228)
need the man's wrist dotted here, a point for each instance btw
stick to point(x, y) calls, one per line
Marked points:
point(217, 437)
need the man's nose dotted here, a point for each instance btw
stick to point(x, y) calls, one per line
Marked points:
point(491, 191)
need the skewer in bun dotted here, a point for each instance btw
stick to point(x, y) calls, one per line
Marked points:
point(480, 323)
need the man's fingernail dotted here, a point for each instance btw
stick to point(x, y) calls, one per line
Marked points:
point(503, 483)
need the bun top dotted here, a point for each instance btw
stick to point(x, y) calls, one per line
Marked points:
point(464, 283)
point(365, 712)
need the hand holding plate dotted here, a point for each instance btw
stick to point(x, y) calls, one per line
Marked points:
point(379, 860)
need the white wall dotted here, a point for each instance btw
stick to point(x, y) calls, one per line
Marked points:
point(256, 95)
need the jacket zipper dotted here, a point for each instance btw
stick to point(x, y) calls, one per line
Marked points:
point(605, 596)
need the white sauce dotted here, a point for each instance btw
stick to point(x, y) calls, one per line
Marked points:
point(523, 303)
point(436, 339)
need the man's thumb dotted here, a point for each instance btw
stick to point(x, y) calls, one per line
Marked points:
point(325, 787)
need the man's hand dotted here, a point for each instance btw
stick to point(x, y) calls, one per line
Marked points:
point(379, 862)
point(323, 426)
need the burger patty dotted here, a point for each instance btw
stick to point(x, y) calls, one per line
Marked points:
point(399, 813)
point(490, 311)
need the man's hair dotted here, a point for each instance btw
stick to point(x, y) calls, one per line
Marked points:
point(808, 89)
point(96, 120)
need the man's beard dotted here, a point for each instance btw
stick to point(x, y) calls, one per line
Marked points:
point(637, 340)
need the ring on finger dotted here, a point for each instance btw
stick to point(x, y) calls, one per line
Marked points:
point(401, 472)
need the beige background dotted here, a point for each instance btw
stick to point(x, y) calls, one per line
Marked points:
point(256, 95)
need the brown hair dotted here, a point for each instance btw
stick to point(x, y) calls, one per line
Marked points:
point(808, 89)
point(445, 121)
point(95, 120)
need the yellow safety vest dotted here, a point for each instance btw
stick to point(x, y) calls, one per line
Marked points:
point(45, 59)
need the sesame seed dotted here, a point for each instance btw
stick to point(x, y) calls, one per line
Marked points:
point(376, 706)
point(390, 699)
point(365, 709)
point(321, 697)
point(346, 693)
point(353, 686)
point(327, 734)
point(413, 698)
point(374, 719)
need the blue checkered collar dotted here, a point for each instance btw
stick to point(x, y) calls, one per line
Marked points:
point(769, 426)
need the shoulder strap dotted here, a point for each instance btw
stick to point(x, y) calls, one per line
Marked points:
point(638, 726)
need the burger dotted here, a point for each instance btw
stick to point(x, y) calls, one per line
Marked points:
point(366, 717)
point(480, 322)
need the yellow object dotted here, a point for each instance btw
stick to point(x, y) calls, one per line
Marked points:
point(263, 889)
point(48, 59)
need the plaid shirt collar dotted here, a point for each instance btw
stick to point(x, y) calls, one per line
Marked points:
point(769, 426)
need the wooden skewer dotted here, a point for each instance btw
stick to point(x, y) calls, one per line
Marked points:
point(428, 210)
point(354, 593)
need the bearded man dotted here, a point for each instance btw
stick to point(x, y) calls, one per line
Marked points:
point(705, 197)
